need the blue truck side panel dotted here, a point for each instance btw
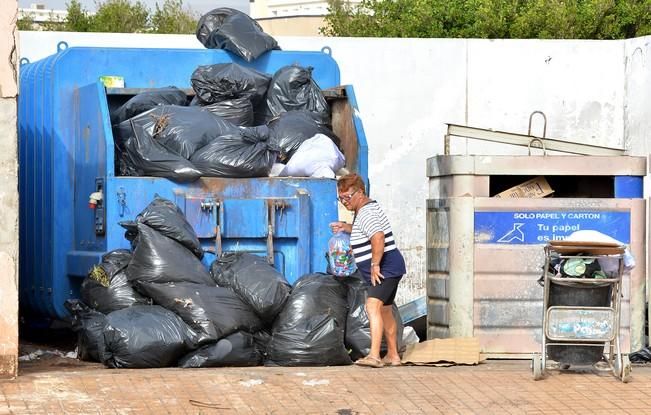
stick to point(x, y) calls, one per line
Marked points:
point(66, 152)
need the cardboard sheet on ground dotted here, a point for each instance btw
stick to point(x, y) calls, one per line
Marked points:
point(443, 352)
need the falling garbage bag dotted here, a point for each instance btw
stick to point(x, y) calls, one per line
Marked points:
point(238, 111)
point(358, 330)
point(147, 100)
point(293, 89)
point(140, 154)
point(106, 288)
point(145, 337)
point(212, 312)
point(230, 29)
point(164, 216)
point(256, 282)
point(310, 329)
point(160, 259)
point(237, 349)
point(224, 81)
point(89, 326)
point(289, 130)
point(246, 153)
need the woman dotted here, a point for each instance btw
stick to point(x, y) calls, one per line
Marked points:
point(379, 261)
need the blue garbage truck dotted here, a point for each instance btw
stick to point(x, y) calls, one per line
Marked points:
point(67, 154)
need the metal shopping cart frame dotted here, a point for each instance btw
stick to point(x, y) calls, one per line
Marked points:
point(608, 339)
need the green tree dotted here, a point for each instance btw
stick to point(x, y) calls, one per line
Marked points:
point(78, 19)
point(172, 17)
point(26, 22)
point(120, 16)
point(552, 19)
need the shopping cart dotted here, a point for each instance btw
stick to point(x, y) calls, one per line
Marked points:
point(581, 308)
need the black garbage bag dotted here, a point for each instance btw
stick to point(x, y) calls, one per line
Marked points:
point(160, 259)
point(131, 232)
point(106, 288)
point(246, 153)
point(237, 349)
point(310, 329)
point(230, 29)
point(89, 326)
point(641, 356)
point(291, 129)
point(140, 154)
point(262, 339)
point(358, 330)
point(147, 100)
point(224, 81)
point(293, 89)
point(145, 337)
point(164, 216)
point(256, 282)
point(182, 130)
point(213, 312)
point(238, 111)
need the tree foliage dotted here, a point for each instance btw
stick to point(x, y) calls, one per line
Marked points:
point(546, 19)
point(121, 16)
point(77, 19)
point(26, 22)
point(173, 18)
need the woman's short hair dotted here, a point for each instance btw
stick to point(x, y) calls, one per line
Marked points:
point(350, 181)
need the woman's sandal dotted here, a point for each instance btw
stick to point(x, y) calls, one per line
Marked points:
point(369, 361)
point(392, 363)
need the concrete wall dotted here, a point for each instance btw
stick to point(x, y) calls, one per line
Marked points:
point(407, 89)
point(292, 25)
point(8, 191)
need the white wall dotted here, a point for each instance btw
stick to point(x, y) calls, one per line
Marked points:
point(407, 89)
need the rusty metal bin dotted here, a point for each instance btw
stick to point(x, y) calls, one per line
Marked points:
point(484, 254)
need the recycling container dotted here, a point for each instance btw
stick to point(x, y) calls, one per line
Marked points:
point(485, 253)
point(66, 153)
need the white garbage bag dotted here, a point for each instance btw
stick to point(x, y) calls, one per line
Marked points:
point(316, 157)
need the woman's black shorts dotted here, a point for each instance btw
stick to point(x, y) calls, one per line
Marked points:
point(385, 291)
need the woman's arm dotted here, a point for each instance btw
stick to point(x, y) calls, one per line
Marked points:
point(341, 227)
point(377, 251)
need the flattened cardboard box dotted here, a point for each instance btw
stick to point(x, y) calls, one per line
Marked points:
point(444, 352)
point(536, 187)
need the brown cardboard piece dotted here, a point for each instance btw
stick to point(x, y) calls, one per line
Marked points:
point(444, 352)
point(536, 187)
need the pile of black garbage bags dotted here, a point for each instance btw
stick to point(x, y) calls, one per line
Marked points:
point(157, 305)
point(239, 123)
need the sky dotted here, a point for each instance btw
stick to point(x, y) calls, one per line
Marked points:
point(200, 6)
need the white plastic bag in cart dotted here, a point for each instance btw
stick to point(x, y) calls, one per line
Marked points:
point(608, 265)
point(316, 157)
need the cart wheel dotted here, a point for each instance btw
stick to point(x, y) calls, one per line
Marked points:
point(536, 367)
point(626, 370)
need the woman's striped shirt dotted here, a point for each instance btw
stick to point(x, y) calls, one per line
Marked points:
point(369, 220)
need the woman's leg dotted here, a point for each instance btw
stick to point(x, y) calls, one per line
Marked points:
point(390, 333)
point(374, 312)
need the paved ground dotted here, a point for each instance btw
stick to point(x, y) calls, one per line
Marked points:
point(58, 385)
